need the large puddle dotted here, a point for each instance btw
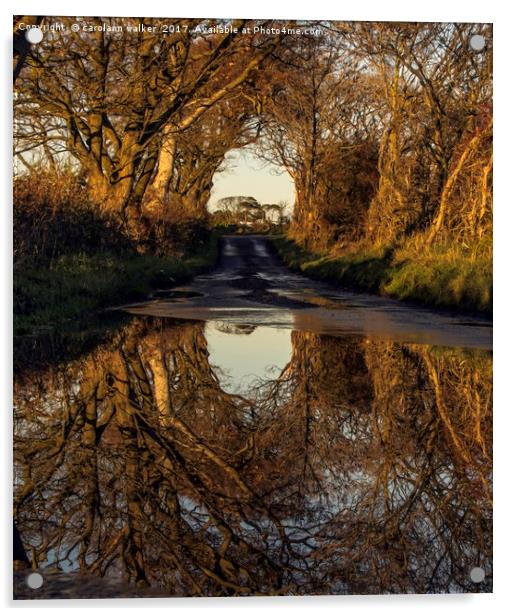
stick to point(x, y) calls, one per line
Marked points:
point(213, 458)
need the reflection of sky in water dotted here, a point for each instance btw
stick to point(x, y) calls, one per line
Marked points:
point(241, 354)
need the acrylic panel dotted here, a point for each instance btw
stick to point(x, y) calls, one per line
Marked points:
point(253, 307)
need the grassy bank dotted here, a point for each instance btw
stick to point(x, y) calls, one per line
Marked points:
point(439, 275)
point(76, 286)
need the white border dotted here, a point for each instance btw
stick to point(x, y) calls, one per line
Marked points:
point(374, 10)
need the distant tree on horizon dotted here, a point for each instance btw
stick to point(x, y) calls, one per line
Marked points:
point(236, 202)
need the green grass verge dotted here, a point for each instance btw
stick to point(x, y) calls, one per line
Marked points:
point(76, 286)
point(440, 276)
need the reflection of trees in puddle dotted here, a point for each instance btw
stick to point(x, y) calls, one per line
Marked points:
point(364, 467)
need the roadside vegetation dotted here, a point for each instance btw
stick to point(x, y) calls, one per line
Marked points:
point(438, 275)
point(70, 263)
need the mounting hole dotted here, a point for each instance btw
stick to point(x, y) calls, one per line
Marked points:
point(477, 575)
point(34, 35)
point(34, 580)
point(477, 42)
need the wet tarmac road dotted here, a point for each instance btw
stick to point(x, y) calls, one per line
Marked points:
point(251, 286)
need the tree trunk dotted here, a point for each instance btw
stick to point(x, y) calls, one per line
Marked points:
point(158, 189)
point(448, 187)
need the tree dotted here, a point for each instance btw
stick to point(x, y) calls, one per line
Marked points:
point(181, 186)
point(116, 98)
point(315, 103)
point(437, 94)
